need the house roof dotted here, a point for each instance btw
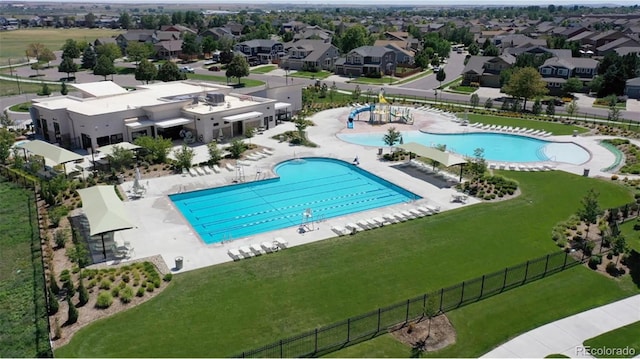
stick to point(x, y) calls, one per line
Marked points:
point(172, 45)
point(624, 50)
point(260, 43)
point(571, 63)
point(374, 51)
point(476, 64)
point(580, 36)
point(633, 82)
point(603, 35)
point(617, 43)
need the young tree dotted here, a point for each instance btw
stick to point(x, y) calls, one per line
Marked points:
point(238, 68)
point(537, 107)
point(68, 66)
point(89, 58)
point(111, 50)
point(190, 47)
point(104, 67)
point(156, 149)
point(619, 244)
point(391, 137)
point(146, 71)
point(488, 104)
point(125, 20)
point(70, 49)
point(572, 85)
point(83, 293)
point(7, 139)
point(34, 50)
point(53, 305)
point(137, 51)
point(475, 100)
point(237, 148)
point(333, 90)
point(354, 37)
point(215, 153)
point(45, 91)
point(526, 83)
point(63, 89)
point(478, 165)
point(121, 158)
point(73, 312)
point(209, 45)
point(590, 210)
point(572, 108)
point(441, 76)
point(169, 72)
point(551, 108)
point(184, 156)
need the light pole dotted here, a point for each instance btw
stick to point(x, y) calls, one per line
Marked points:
point(436, 95)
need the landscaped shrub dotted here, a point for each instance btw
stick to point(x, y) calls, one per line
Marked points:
point(126, 294)
point(104, 300)
point(115, 291)
point(105, 284)
point(126, 278)
point(60, 237)
point(83, 294)
point(73, 312)
point(140, 292)
point(562, 242)
point(167, 277)
point(595, 261)
point(588, 247)
point(612, 269)
point(53, 303)
point(53, 284)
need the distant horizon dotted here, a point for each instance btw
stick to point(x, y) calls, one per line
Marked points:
point(347, 3)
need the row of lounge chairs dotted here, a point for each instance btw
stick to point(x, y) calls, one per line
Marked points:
point(510, 129)
point(521, 167)
point(257, 249)
point(438, 111)
point(196, 171)
point(264, 153)
point(449, 177)
point(390, 218)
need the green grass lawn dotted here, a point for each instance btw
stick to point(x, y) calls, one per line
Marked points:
point(11, 88)
point(625, 337)
point(320, 75)
point(264, 69)
point(21, 107)
point(21, 287)
point(414, 77)
point(225, 309)
point(222, 79)
point(373, 81)
point(482, 326)
point(631, 235)
point(14, 43)
point(462, 89)
point(554, 127)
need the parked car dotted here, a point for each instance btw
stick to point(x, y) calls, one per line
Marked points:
point(214, 68)
point(187, 69)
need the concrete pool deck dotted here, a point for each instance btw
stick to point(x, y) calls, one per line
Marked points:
point(161, 229)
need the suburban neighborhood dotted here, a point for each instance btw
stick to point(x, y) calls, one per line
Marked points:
point(303, 180)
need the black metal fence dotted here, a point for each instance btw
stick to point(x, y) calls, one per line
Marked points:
point(365, 326)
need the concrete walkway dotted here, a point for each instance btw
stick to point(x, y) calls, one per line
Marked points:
point(566, 336)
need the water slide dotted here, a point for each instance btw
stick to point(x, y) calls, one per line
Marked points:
point(356, 111)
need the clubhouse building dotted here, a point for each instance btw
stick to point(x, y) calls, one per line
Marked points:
point(107, 113)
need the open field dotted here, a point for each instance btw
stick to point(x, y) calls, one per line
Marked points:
point(11, 88)
point(225, 309)
point(23, 314)
point(14, 43)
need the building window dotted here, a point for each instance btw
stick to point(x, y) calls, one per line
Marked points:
point(563, 72)
point(117, 138)
point(546, 71)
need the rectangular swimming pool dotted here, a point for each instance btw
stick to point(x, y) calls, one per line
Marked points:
point(322, 187)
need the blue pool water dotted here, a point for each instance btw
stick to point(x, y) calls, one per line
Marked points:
point(497, 146)
point(330, 188)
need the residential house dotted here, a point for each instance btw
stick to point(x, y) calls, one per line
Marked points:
point(485, 70)
point(261, 51)
point(555, 71)
point(609, 47)
point(621, 51)
point(168, 50)
point(632, 88)
point(516, 40)
point(313, 33)
point(292, 26)
point(309, 55)
point(600, 38)
point(109, 114)
point(367, 60)
point(178, 28)
point(145, 36)
point(218, 33)
point(104, 40)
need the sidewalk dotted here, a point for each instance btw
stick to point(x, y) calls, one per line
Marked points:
point(566, 336)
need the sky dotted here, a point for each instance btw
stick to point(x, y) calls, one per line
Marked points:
point(442, 3)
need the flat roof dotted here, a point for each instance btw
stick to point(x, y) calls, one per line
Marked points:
point(98, 89)
point(231, 102)
point(242, 116)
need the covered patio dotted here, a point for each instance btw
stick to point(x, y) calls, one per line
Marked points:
point(53, 155)
point(447, 159)
point(105, 214)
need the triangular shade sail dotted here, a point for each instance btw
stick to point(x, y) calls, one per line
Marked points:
point(108, 150)
point(55, 154)
point(104, 210)
point(446, 158)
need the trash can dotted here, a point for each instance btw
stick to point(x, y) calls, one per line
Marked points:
point(179, 261)
point(379, 151)
point(585, 172)
point(575, 133)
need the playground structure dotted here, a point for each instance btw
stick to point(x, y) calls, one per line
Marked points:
point(381, 112)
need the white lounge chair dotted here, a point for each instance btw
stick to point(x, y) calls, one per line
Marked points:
point(425, 210)
point(502, 166)
point(340, 231)
point(234, 254)
point(184, 172)
point(416, 213)
point(363, 224)
point(246, 251)
point(372, 223)
point(408, 214)
point(379, 220)
point(512, 166)
point(390, 218)
point(230, 167)
point(433, 209)
point(268, 247)
point(207, 170)
point(216, 169)
point(267, 151)
point(400, 217)
point(281, 243)
point(492, 165)
point(193, 172)
point(255, 248)
point(199, 171)
point(523, 168)
point(352, 227)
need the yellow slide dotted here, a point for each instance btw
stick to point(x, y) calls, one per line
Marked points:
point(381, 98)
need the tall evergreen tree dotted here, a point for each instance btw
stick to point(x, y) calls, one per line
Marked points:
point(89, 58)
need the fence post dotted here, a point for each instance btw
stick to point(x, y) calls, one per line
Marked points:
point(407, 316)
point(481, 287)
point(504, 280)
point(424, 303)
point(348, 330)
point(546, 265)
point(378, 331)
point(441, 298)
point(281, 354)
point(526, 272)
point(564, 264)
point(316, 341)
point(461, 294)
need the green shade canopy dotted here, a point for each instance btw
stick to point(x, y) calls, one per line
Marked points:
point(55, 154)
point(446, 158)
point(104, 210)
point(108, 150)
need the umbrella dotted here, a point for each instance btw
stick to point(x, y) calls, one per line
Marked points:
point(220, 134)
point(137, 187)
point(401, 140)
